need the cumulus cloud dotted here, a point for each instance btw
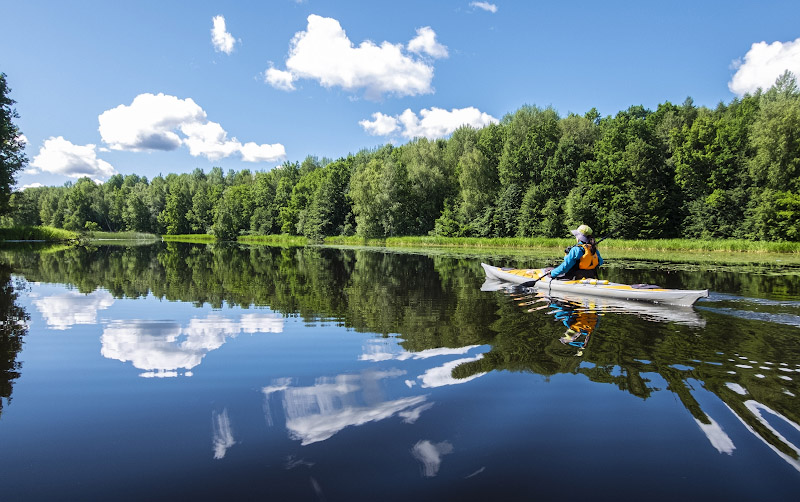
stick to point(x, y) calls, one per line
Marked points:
point(381, 125)
point(59, 156)
point(433, 123)
point(425, 43)
point(488, 7)
point(222, 40)
point(763, 64)
point(324, 53)
point(283, 80)
point(163, 122)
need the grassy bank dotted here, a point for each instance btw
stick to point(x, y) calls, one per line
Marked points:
point(282, 240)
point(122, 236)
point(48, 234)
point(731, 245)
point(199, 238)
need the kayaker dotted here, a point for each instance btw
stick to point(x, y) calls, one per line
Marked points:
point(581, 260)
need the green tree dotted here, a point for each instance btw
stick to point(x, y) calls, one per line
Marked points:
point(233, 212)
point(12, 146)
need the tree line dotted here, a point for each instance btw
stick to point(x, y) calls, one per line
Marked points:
point(679, 171)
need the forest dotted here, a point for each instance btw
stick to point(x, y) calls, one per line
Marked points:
point(679, 171)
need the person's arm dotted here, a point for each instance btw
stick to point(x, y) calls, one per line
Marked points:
point(570, 260)
point(599, 258)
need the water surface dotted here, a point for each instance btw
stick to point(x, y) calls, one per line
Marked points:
point(172, 371)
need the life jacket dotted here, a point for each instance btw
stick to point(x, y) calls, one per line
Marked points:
point(586, 268)
point(589, 259)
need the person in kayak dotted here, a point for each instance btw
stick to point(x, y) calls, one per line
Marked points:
point(581, 260)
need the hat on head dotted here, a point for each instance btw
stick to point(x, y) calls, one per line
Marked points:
point(583, 233)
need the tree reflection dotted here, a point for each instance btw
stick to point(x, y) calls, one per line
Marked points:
point(13, 329)
point(424, 304)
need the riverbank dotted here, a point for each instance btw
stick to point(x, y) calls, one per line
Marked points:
point(610, 246)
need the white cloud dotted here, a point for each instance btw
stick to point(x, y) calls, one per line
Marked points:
point(222, 40)
point(488, 7)
point(149, 122)
point(324, 53)
point(163, 122)
point(763, 64)
point(251, 152)
point(59, 156)
point(32, 185)
point(382, 125)
point(279, 79)
point(434, 123)
point(425, 43)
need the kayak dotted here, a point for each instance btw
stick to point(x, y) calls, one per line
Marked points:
point(593, 287)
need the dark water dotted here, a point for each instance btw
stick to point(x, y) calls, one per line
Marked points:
point(179, 372)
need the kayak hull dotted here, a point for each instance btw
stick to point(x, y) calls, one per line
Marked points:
point(594, 287)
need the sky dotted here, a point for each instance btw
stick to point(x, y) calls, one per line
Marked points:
point(159, 87)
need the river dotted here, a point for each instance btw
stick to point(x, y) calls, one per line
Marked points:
point(212, 372)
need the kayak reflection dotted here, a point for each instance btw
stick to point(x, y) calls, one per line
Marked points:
point(684, 315)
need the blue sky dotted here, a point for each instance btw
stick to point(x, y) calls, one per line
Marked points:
point(158, 87)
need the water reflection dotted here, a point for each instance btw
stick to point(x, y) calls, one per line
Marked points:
point(13, 329)
point(315, 413)
point(440, 329)
point(223, 433)
point(63, 311)
point(163, 348)
point(430, 455)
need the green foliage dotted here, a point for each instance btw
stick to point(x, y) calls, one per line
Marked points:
point(36, 233)
point(12, 147)
point(678, 171)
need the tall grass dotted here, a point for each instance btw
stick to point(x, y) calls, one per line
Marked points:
point(37, 233)
point(123, 236)
point(715, 245)
point(200, 238)
point(283, 240)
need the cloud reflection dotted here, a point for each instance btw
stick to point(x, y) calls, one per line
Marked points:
point(719, 438)
point(63, 311)
point(382, 349)
point(443, 375)
point(317, 412)
point(430, 455)
point(223, 433)
point(162, 348)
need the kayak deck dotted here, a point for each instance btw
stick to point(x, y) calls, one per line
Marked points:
point(594, 287)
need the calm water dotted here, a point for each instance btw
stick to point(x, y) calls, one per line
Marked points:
point(180, 372)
